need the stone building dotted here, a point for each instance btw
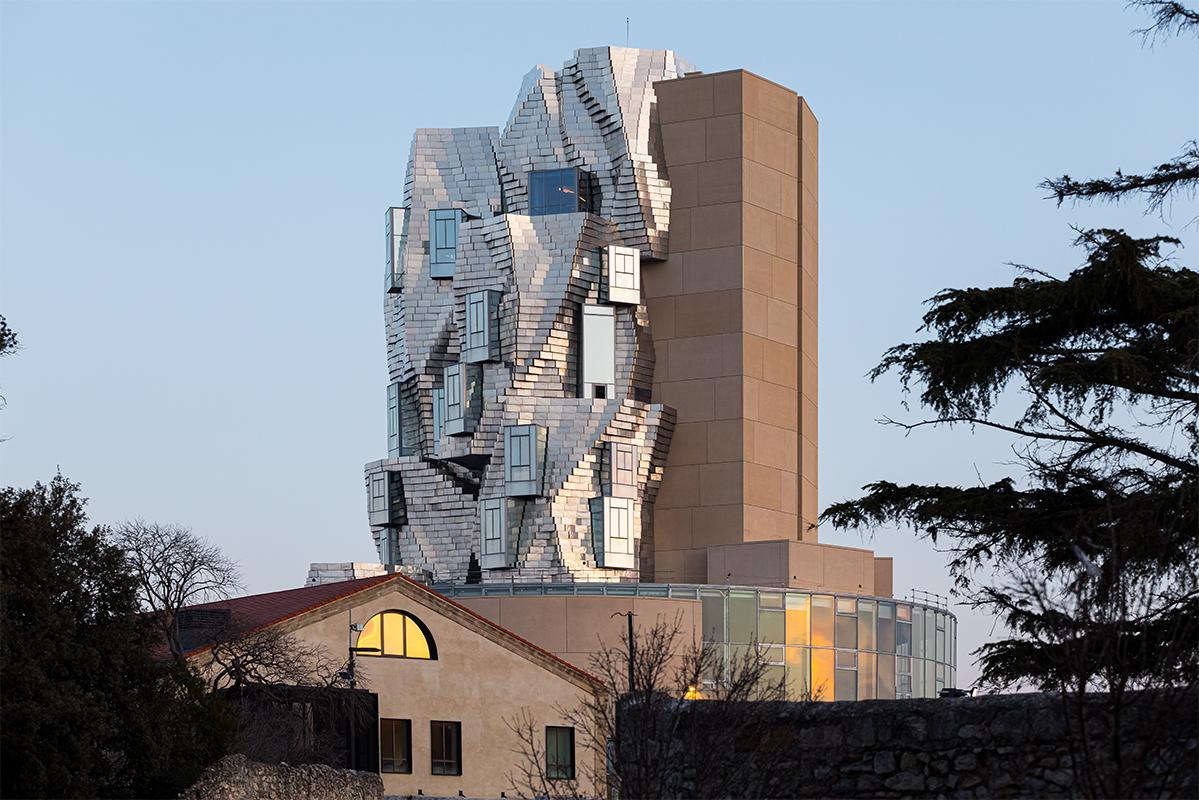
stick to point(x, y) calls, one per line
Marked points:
point(601, 329)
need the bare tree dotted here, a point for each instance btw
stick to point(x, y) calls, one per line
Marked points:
point(683, 728)
point(175, 568)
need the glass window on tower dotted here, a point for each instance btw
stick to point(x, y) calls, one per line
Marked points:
point(443, 241)
point(560, 191)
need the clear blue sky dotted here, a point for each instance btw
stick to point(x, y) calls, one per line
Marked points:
point(192, 196)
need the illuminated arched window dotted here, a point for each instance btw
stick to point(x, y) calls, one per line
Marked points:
point(397, 634)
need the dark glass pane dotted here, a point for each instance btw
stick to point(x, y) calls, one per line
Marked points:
point(771, 626)
point(886, 628)
point(445, 742)
point(743, 617)
point(713, 614)
point(560, 753)
point(845, 686)
point(903, 638)
point(847, 632)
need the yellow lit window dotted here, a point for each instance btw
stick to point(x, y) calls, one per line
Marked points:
point(397, 634)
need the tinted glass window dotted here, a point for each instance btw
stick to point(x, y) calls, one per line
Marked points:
point(395, 745)
point(713, 611)
point(559, 753)
point(743, 613)
point(559, 191)
point(445, 745)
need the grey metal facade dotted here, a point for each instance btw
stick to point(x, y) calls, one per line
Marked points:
point(519, 326)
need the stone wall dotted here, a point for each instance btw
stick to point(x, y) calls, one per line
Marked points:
point(238, 778)
point(1020, 745)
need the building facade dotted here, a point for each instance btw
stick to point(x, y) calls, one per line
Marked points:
point(601, 329)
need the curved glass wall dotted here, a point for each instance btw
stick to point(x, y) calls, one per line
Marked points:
point(836, 647)
point(825, 646)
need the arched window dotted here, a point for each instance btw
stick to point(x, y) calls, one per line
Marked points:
point(397, 634)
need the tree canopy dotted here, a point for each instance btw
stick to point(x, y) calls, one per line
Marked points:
point(1092, 546)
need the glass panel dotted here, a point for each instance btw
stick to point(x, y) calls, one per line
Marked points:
point(712, 604)
point(918, 633)
point(771, 626)
point(846, 685)
point(903, 638)
point(770, 600)
point(941, 645)
point(371, 636)
point(415, 643)
point(847, 659)
point(847, 605)
point(393, 634)
point(903, 612)
point(387, 745)
point(798, 669)
point(930, 634)
point(822, 674)
point(444, 743)
point(847, 632)
point(560, 753)
point(886, 628)
point(743, 613)
point(822, 621)
point(865, 625)
point(798, 613)
point(886, 677)
point(866, 663)
point(918, 677)
point(930, 679)
point(774, 679)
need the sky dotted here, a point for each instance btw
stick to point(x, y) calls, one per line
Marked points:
point(191, 223)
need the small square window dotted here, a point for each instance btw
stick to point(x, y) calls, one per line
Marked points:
point(445, 746)
point(559, 753)
point(395, 745)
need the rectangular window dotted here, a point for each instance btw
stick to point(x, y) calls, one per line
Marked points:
point(712, 603)
point(612, 526)
point(798, 679)
point(822, 674)
point(438, 415)
point(620, 473)
point(866, 676)
point(445, 744)
point(847, 623)
point(395, 745)
point(385, 498)
point(623, 274)
point(395, 432)
point(443, 241)
point(560, 191)
point(396, 230)
point(886, 627)
point(743, 617)
point(822, 620)
point(597, 373)
point(559, 753)
point(481, 341)
point(903, 677)
point(886, 677)
point(798, 614)
point(463, 398)
point(524, 460)
point(918, 632)
point(866, 625)
point(499, 546)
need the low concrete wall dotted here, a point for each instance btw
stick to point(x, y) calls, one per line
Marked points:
point(238, 778)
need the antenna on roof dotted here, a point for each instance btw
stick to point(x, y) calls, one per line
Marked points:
point(626, 31)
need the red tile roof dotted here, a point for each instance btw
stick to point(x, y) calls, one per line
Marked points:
point(257, 611)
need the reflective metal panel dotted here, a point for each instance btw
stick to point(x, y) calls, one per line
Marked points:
point(598, 348)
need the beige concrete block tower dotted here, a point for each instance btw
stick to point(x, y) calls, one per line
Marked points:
point(734, 320)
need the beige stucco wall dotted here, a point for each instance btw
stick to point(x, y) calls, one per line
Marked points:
point(474, 680)
point(573, 627)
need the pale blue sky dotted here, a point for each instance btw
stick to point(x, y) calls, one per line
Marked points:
point(191, 200)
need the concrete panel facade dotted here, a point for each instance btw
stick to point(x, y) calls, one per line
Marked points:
point(733, 312)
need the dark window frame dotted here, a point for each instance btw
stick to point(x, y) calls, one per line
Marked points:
point(383, 637)
point(438, 730)
point(406, 726)
point(558, 770)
